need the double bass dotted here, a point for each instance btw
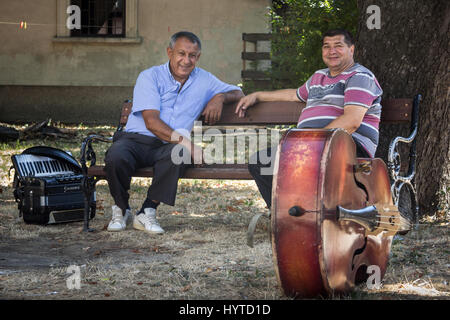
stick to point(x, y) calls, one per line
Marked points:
point(332, 214)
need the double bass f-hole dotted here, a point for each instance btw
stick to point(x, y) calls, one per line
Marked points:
point(358, 252)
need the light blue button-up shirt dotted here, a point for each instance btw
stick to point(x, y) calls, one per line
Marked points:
point(156, 89)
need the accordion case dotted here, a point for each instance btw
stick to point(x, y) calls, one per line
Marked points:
point(48, 186)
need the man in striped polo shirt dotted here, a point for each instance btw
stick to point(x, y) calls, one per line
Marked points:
point(345, 95)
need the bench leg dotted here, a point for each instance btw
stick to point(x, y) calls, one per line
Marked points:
point(88, 185)
point(404, 196)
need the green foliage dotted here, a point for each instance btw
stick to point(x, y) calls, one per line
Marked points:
point(249, 86)
point(297, 27)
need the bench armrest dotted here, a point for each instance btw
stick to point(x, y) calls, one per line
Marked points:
point(394, 160)
point(87, 152)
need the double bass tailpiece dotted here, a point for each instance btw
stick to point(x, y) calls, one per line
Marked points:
point(376, 218)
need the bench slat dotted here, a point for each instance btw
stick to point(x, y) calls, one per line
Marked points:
point(396, 110)
point(217, 171)
point(254, 37)
point(287, 113)
point(263, 113)
point(255, 55)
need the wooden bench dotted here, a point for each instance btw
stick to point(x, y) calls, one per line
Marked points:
point(262, 114)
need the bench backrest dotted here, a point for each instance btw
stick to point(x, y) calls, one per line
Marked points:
point(278, 113)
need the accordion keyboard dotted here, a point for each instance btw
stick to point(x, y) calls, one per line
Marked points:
point(40, 166)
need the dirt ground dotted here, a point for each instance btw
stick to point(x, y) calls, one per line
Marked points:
point(202, 255)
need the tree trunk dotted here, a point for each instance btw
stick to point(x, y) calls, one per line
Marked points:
point(409, 54)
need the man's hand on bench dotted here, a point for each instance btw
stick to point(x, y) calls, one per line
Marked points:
point(195, 151)
point(213, 110)
point(245, 103)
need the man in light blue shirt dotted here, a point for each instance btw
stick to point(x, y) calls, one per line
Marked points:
point(167, 99)
point(179, 104)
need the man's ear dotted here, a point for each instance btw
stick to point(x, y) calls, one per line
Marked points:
point(169, 52)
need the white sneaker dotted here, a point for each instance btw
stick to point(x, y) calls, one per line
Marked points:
point(147, 221)
point(118, 221)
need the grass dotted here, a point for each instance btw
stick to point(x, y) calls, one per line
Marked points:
point(202, 255)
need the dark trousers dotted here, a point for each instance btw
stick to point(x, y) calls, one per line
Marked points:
point(259, 170)
point(131, 151)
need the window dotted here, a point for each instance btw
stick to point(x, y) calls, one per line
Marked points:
point(100, 18)
point(108, 30)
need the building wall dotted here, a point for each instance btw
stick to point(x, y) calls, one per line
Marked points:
point(42, 75)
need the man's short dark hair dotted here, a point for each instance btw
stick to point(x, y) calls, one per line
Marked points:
point(348, 38)
point(185, 34)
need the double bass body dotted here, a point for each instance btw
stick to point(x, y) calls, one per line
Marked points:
point(315, 251)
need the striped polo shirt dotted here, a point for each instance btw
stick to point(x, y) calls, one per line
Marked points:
point(326, 97)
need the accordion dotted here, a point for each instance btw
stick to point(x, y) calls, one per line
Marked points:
point(48, 186)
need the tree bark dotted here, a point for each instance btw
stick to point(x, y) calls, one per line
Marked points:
point(409, 54)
